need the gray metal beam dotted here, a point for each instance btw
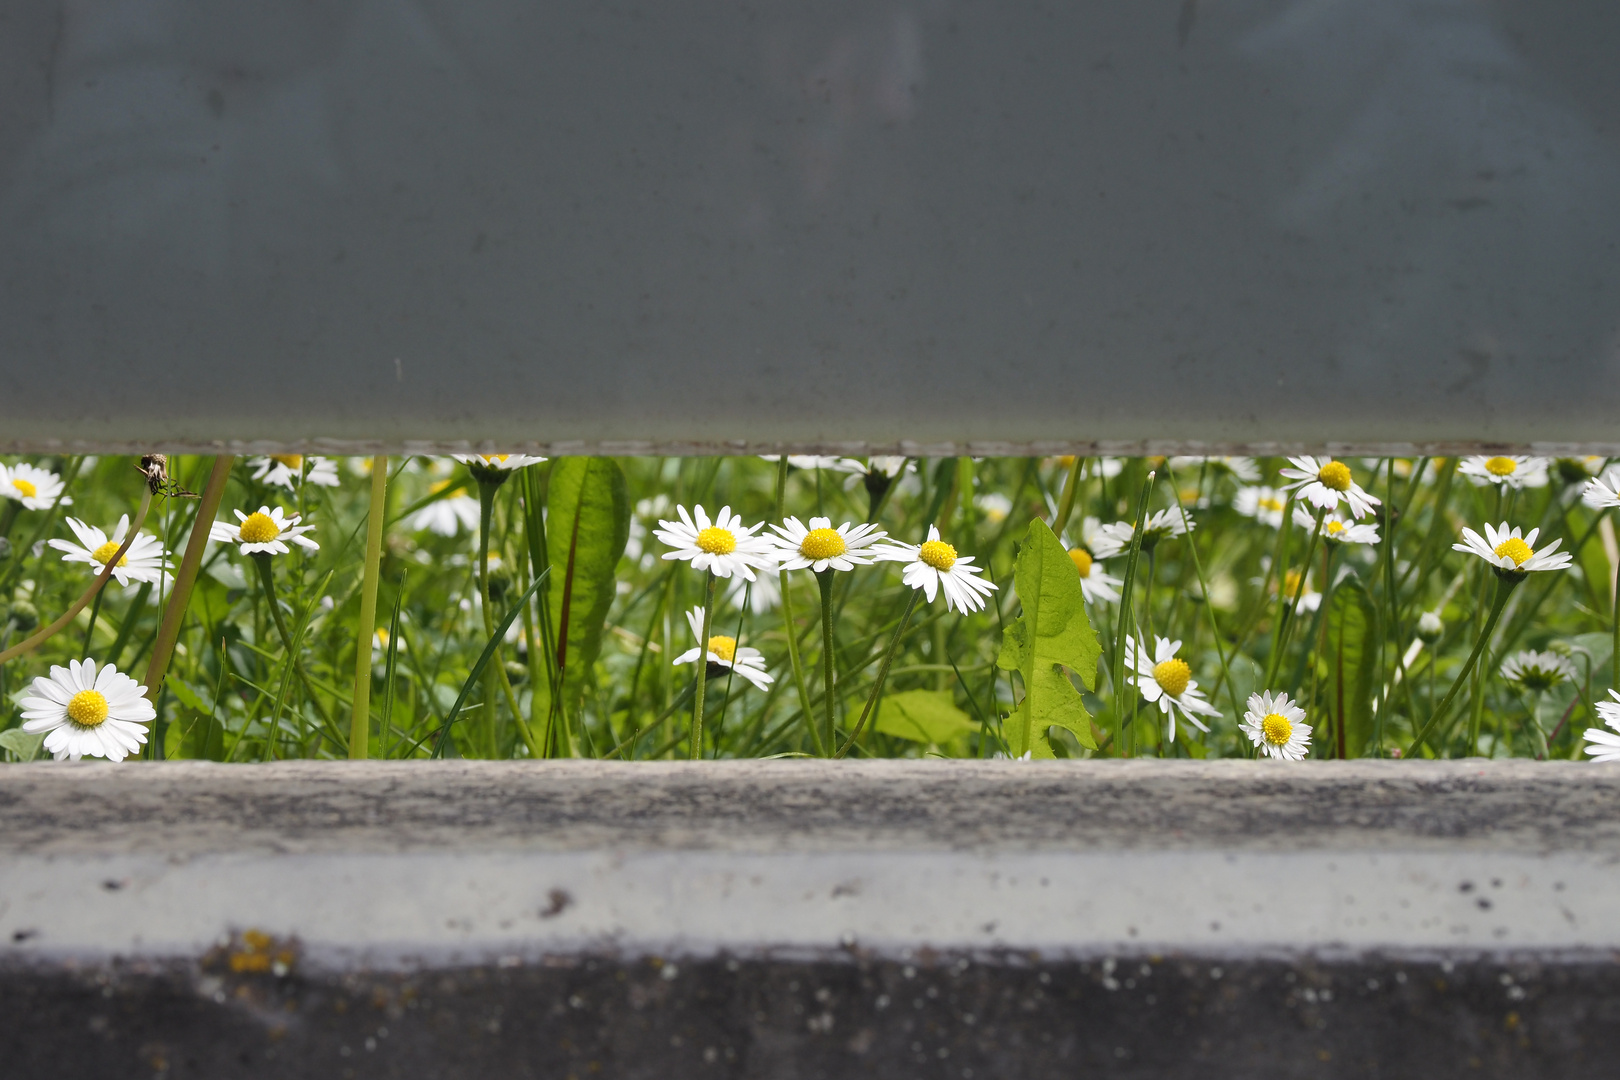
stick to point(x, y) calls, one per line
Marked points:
point(923, 225)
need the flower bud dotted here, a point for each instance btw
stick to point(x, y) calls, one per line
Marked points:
point(1429, 627)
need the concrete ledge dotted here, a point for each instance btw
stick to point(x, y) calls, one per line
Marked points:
point(765, 909)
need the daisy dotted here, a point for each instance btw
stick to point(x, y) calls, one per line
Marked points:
point(1243, 468)
point(495, 468)
point(1160, 525)
point(143, 561)
point(1322, 482)
point(446, 516)
point(724, 652)
point(1264, 504)
point(1603, 492)
point(1096, 585)
point(1538, 671)
point(764, 593)
point(1336, 528)
point(1577, 470)
point(1309, 598)
point(1276, 725)
point(934, 566)
point(263, 532)
point(877, 472)
point(821, 546)
point(1168, 680)
point(724, 547)
point(283, 470)
point(1509, 553)
point(809, 461)
point(1601, 744)
point(994, 506)
point(36, 489)
point(1508, 472)
point(86, 712)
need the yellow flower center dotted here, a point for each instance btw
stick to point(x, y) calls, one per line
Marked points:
point(724, 647)
point(716, 541)
point(87, 708)
point(938, 554)
point(1334, 528)
point(107, 551)
point(1335, 475)
point(825, 544)
point(292, 461)
point(1082, 560)
point(28, 489)
point(1268, 503)
point(1291, 584)
point(1501, 466)
point(437, 486)
point(1173, 676)
point(1276, 729)
point(494, 459)
point(259, 528)
point(1515, 549)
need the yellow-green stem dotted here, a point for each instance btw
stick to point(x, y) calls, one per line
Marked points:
point(824, 578)
point(360, 717)
point(703, 667)
point(190, 563)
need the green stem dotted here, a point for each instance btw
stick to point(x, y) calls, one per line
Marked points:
point(1203, 585)
point(824, 578)
point(1120, 712)
point(360, 716)
point(1287, 609)
point(1066, 503)
point(180, 598)
point(787, 618)
point(1504, 588)
point(883, 673)
point(703, 667)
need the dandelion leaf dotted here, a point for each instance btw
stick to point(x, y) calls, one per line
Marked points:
point(1352, 663)
point(924, 716)
point(588, 523)
point(1050, 635)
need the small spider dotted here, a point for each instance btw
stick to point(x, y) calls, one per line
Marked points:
point(155, 467)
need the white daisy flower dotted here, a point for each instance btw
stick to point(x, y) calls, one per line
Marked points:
point(1577, 470)
point(1166, 679)
point(934, 567)
point(1322, 482)
point(876, 472)
point(994, 506)
point(724, 652)
point(1002, 755)
point(1277, 726)
point(820, 546)
point(1336, 528)
point(725, 546)
point(1114, 538)
point(1309, 599)
point(35, 488)
point(1537, 670)
point(1510, 553)
point(764, 593)
point(1603, 745)
point(1243, 468)
point(446, 516)
point(86, 712)
point(1603, 492)
point(264, 530)
point(144, 561)
point(1264, 504)
point(1513, 472)
point(284, 470)
point(1096, 585)
point(496, 468)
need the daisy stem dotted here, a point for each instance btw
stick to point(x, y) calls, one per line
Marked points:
point(1121, 714)
point(360, 716)
point(1504, 588)
point(180, 597)
point(1286, 609)
point(90, 630)
point(1066, 502)
point(703, 667)
point(38, 639)
point(787, 618)
point(824, 578)
point(883, 673)
point(1203, 585)
point(494, 673)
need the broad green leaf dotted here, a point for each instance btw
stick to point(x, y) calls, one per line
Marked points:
point(22, 744)
point(925, 716)
point(1050, 635)
point(187, 694)
point(587, 526)
point(1353, 634)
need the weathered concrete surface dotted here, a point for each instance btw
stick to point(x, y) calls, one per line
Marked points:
point(798, 919)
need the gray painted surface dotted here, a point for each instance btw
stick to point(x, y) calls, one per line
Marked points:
point(809, 919)
point(923, 224)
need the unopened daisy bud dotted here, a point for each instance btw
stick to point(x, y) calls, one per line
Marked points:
point(1430, 628)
